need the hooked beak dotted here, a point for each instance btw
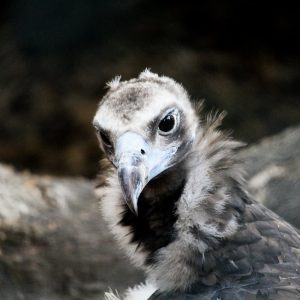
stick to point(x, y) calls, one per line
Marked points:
point(133, 181)
point(137, 163)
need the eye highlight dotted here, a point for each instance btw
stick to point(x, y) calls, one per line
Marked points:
point(169, 122)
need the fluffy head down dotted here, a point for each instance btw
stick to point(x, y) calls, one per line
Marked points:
point(133, 104)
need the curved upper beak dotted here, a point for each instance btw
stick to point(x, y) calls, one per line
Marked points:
point(137, 163)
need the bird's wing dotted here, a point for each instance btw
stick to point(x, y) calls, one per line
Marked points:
point(261, 261)
point(226, 295)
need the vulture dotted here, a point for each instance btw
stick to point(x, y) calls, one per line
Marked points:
point(173, 194)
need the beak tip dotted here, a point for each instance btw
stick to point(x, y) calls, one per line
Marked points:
point(135, 210)
point(134, 202)
point(132, 182)
point(132, 205)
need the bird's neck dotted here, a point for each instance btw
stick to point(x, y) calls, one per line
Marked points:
point(208, 212)
point(153, 227)
point(187, 210)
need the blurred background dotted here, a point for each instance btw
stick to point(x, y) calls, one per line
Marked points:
point(55, 57)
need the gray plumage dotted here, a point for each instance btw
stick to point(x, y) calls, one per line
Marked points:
point(177, 203)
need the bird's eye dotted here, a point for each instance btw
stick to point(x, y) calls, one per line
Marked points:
point(105, 139)
point(166, 124)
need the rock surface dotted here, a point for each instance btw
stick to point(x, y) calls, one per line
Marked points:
point(273, 168)
point(54, 244)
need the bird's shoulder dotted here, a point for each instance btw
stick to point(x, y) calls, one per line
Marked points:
point(260, 261)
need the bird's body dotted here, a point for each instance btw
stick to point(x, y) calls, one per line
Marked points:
point(173, 195)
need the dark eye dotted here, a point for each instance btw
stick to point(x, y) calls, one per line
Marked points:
point(167, 124)
point(105, 139)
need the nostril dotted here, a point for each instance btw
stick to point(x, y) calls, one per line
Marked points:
point(143, 151)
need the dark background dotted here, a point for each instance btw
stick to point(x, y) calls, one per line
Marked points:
point(55, 57)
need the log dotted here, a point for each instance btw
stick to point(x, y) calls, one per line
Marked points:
point(53, 242)
point(273, 173)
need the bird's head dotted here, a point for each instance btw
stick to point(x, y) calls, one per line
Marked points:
point(145, 126)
